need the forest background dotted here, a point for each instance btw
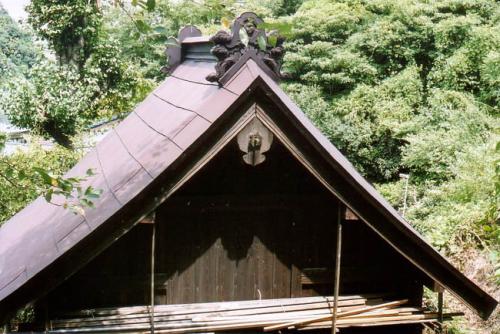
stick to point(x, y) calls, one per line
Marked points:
point(408, 90)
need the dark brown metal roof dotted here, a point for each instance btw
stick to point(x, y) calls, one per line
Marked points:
point(156, 134)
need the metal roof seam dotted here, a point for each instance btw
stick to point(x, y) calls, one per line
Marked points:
point(14, 277)
point(172, 104)
point(192, 81)
point(158, 132)
point(105, 177)
point(230, 91)
point(130, 153)
point(84, 221)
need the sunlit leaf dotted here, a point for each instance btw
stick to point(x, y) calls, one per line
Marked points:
point(243, 36)
point(142, 26)
point(272, 40)
point(78, 210)
point(45, 176)
point(226, 23)
point(261, 40)
point(54, 182)
point(160, 30)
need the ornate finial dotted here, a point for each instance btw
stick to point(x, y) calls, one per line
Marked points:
point(246, 39)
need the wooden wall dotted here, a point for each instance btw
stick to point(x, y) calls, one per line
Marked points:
point(236, 232)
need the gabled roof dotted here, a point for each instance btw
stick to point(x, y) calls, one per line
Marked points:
point(149, 152)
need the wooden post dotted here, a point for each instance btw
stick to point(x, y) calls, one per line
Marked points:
point(440, 309)
point(337, 269)
point(46, 315)
point(152, 292)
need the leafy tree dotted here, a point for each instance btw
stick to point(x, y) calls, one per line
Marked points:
point(329, 66)
point(449, 125)
point(27, 174)
point(71, 26)
point(369, 124)
point(54, 102)
point(462, 69)
point(326, 20)
point(463, 212)
point(17, 54)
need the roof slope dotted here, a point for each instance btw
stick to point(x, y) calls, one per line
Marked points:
point(156, 134)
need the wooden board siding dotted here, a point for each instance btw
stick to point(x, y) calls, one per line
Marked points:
point(237, 232)
point(236, 253)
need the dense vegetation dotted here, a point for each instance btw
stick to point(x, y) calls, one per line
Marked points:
point(403, 87)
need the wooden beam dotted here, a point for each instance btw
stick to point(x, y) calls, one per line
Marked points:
point(337, 268)
point(440, 310)
point(152, 292)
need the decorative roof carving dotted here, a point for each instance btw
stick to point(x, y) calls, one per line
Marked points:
point(255, 139)
point(246, 41)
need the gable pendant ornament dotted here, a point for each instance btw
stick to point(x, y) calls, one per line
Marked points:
point(246, 40)
point(255, 139)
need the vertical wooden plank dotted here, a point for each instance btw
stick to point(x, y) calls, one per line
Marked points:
point(281, 235)
point(440, 309)
point(152, 274)
point(295, 286)
point(220, 272)
point(338, 253)
point(268, 258)
point(226, 266)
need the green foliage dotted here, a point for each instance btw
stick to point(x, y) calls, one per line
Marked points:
point(489, 73)
point(326, 65)
point(410, 87)
point(399, 86)
point(54, 101)
point(3, 139)
point(20, 183)
point(464, 210)
point(327, 20)
point(391, 42)
point(145, 50)
point(463, 68)
point(267, 8)
point(76, 197)
point(17, 53)
point(450, 124)
point(369, 123)
point(119, 82)
point(310, 100)
point(71, 26)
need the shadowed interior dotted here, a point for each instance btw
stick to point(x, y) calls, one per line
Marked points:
point(237, 232)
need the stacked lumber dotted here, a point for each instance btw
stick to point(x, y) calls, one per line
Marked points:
point(266, 315)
